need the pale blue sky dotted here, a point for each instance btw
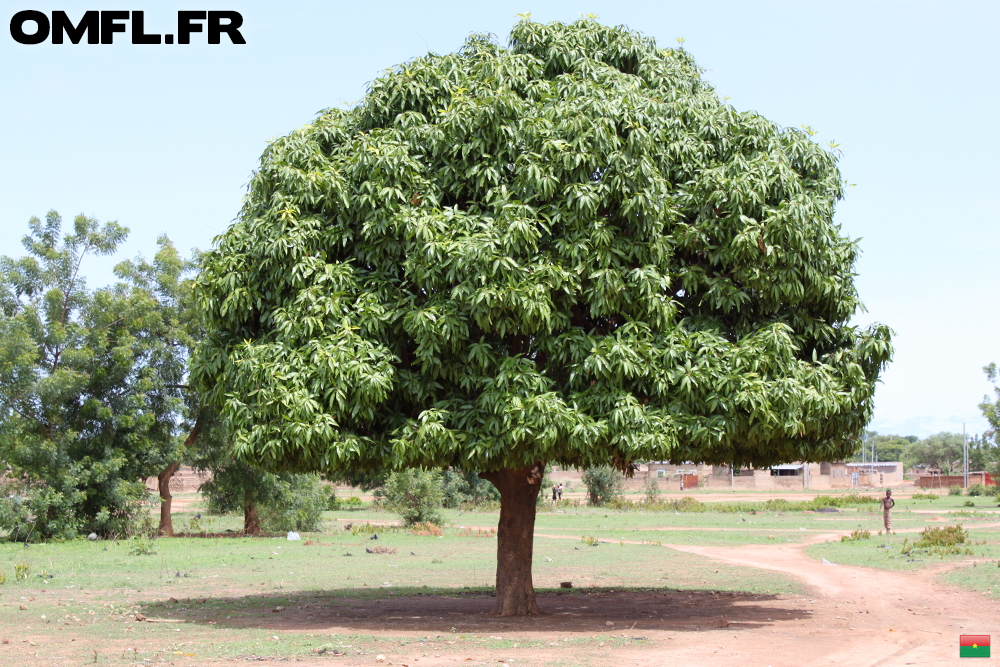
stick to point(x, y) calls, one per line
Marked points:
point(163, 138)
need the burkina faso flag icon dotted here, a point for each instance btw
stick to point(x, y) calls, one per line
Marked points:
point(974, 646)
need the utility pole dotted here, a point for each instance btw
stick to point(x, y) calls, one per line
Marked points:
point(965, 459)
point(871, 466)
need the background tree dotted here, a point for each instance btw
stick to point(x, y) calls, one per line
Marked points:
point(887, 447)
point(416, 494)
point(167, 279)
point(604, 484)
point(88, 404)
point(462, 486)
point(270, 502)
point(941, 450)
point(569, 250)
point(991, 410)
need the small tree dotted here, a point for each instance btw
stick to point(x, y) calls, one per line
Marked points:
point(269, 502)
point(570, 250)
point(167, 281)
point(415, 494)
point(988, 450)
point(89, 401)
point(651, 489)
point(603, 483)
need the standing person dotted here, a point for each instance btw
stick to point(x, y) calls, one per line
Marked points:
point(682, 482)
point(560, 490)
point(555, 494)
point(887, 505)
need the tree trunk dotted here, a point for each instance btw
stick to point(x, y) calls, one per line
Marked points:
point(515, 538)
point(166, 528)
point(251, 524)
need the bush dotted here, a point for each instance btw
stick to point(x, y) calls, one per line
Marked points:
point(977, 490)
point(689, 504)
point(858, 534)
point(651, 489)
point(604, 484)
point(463, 489)
point(36, 511)
point(297, 506)
point(416, 494)
point(335, 503)
point(954, 490)
point(946, 536)
point(924, 496)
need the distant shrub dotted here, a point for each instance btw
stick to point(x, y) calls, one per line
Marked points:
point(619, 503)
point(416, 494)
point(21, 571)
point(977, 490)
point(782, 505)
point(939, 541)
point(968, 503)
point(335, 503)
point(3, 578)
point(604, 483)
point(946, 536)
point(369, 529)
point(924, 496)
point(954, 490)
point(465, 488)
point(651, 489)
point(689, 504)
point(857, 534)
point(298, 505)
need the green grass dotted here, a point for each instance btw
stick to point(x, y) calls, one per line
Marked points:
point(886, 551)
point(982, 577)
point(226, 589)
point(242, 579)
point(183, 567)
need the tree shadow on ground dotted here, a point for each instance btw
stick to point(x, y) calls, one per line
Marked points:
point(436, 611)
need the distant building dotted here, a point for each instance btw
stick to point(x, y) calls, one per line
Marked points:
point(880, 473)
point(795, 475)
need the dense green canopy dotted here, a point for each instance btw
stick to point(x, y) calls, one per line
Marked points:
point(567, 250)
point(90, 398)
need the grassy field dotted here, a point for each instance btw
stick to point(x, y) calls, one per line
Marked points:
point(227, 598)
